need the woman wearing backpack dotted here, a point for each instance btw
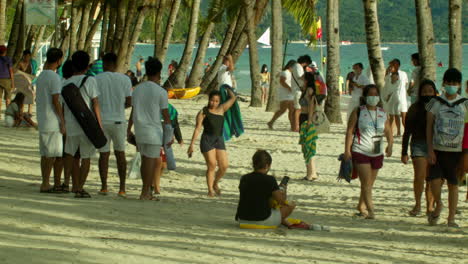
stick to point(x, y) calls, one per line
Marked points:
point(445, 130)
point(367, 127)
point(416, 129)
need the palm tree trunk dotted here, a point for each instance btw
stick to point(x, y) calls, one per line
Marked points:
point(332, 106)
point(38, 41)
point(15, 29)
point(373, 42)
point(455, 34)
point(158, 25)
point(31, 36)
point(136, 33)
point(85, 10)
point(104, 26)
point(256, 90)
point(161, 55)
point(177, 79)
point(123, 46)
point(111, 29)
point(120, 24)
point(3, 4)
point(276, 53)
point(198, 66)
point(211, 74)
point(426, 49)
point(75, 19)
point(93, 30)
point(21, 37)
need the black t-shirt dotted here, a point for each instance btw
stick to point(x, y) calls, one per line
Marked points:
point(255, 193)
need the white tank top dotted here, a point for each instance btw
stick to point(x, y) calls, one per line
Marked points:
point(370, 132)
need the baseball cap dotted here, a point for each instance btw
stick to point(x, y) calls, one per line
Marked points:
point(3, 48)
point(313, 64)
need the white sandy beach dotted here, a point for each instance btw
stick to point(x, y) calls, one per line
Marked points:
point(187, 227)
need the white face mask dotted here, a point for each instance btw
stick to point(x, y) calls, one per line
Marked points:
point(372, 100)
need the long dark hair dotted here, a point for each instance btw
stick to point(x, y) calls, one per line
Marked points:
point(19, 100)
point(420, 88)
point(289, 64)
point(264, 68)
point(366, 91)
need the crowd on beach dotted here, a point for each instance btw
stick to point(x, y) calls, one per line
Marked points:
point(434, 121)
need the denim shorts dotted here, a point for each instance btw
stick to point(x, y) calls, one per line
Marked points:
point(418, 149)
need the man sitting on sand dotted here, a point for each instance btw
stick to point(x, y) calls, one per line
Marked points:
point(257, 189)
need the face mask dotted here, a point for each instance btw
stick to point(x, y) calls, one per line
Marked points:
point(425, 99)
point(451, 89)
point(372, 100)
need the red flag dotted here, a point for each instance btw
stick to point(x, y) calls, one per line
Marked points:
point(319, 28)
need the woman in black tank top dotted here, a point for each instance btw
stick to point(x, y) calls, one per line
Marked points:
point(212, 144)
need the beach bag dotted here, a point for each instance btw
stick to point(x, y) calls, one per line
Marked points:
point(320, 119)
point(85, 117)
point(450, 124)
point(134, 171)
point(320, 86)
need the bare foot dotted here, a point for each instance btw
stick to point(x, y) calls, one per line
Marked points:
point(149, 198)
point(211, 194)
point(270, 125)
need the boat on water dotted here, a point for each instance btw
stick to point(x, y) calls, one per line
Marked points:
point(346, 43)
point(384, 48)
point(265, 39)
point(183, 93)
point(214, 45)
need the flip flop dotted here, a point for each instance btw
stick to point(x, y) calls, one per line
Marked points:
point(414, 213)
point(82, 194)
point(50, 190)
point(65, 188)
point(360, 215)
point(313, 179)
point(433, 219)
point(103, 192)
point(122, 194)
point(301, 225)
point(453, 224)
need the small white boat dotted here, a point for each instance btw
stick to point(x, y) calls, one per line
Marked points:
point(346, 43)
point(214, 45)
point(265, 39)
point(384, 48)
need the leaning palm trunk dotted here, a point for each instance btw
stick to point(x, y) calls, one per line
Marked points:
point(211, 74)
point(92, 31)
point(111, 29)
point(332, 106)
point(140, 18)
point(31, 36)
point(120, 24)
point(38, 41)
point(123, 46)
point(75, 19)
point(161, 54)
point(276, 53)
point(83, 30)
point(373, 42)
point(177, 79)
point(425, 40)
point(15, 29)
point(21, 38)
point(256, 90)
point(105, 26)
point(455, 34)
point(3, 4)
point(198, 66)
point(158, 36)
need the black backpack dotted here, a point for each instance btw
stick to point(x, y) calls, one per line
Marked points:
point(85, 117)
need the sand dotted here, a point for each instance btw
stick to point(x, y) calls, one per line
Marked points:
point(187, 227)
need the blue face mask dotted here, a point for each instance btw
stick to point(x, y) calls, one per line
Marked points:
point(451, 89)
point(372, 100)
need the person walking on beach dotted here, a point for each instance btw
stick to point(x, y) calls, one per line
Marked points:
point(212, 145)
point(150, 102)
point(50, 121)
point(445, 131)
point(7, 83)
point(416, 130)
point(403, 91)
point(265, 75)
point(115, 94)
point(285, 96)
point(356, 86)
point(392, 97)
point(349, 80)
point(76, 140)
point(27, 64)
point(297, 84)
point(415, 78)
point(138, 66)
point(364, 145)
point(226, 71)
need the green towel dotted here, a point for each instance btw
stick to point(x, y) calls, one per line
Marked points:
point(233, 125)
point(308, 139)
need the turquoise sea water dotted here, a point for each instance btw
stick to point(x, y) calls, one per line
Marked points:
point(349, 55)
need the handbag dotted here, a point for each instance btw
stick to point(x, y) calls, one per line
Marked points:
point(320, 119)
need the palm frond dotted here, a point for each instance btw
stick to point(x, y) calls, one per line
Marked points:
point(304, 13)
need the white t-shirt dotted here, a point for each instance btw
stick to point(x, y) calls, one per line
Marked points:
point(48, 83)
point(371, 126)
point(360, 80)
point(88, 92)
point(284, 94)
point(224, 76)
point(297, 74)
point(404, 85)
point(113, 88)
point(148, 99)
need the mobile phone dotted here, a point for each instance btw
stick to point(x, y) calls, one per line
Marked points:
point(284, 181)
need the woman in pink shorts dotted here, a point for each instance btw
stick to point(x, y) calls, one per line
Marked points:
point(367, 127)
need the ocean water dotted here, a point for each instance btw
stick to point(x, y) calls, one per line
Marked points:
point(349, 55)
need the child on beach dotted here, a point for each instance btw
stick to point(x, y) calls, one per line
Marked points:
point(445, 130)
point(14, 116)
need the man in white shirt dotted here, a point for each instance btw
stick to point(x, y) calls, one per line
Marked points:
point(297, 84)
point(415, 78)
point(150, 102)
point(51, 122)
point(404, 84)
point(356, 86)
point(115, 94)
point(225, 71)
point(76, 140)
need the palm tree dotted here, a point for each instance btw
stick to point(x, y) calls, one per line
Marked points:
point(214, 16)
point(15, 29)
point(332, 107)
point(75, 19)
point(158, 26)
point(3, 4)
point(256, 90)
point(373, 42)
point(425, 40)
point(276, 53)
point(455, 34)
point(177, 79)
point(161, 54)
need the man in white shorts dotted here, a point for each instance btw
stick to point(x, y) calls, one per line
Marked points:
point(297, 83)
point(115, 94)
point(50, 122)
point(150, 102)
point(356, 87)
point(76, 140)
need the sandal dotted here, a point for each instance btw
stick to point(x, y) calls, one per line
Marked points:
point(306, 179)
point(301, 225)
point(82, 194)
point(65, 188)
point(453, 224)
point(433, 219)
point(50, 190)
point(414, 212)
point(122, 194)
point(103, 192)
